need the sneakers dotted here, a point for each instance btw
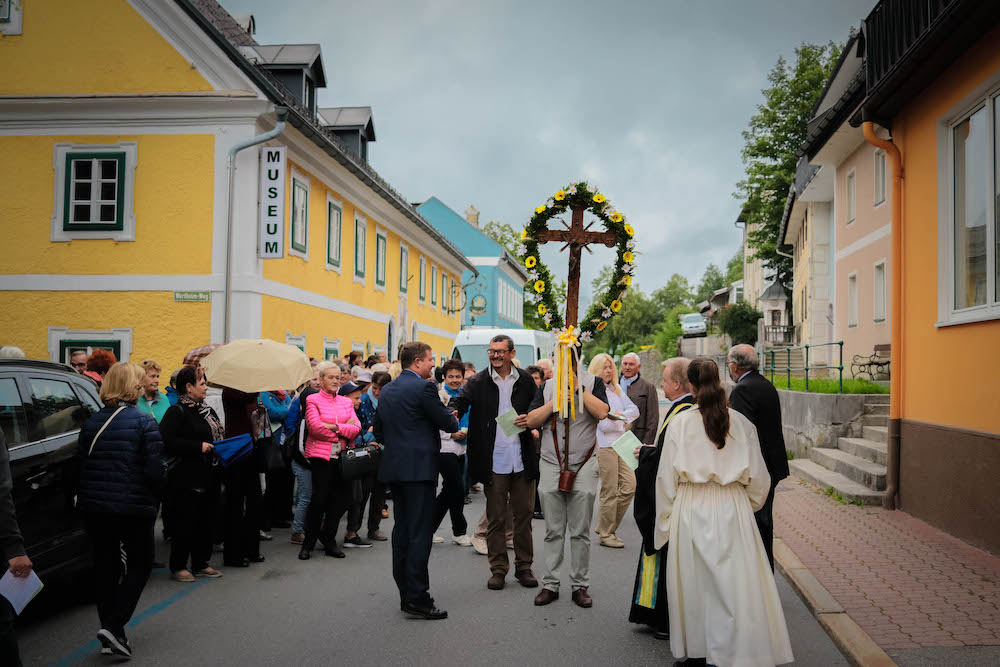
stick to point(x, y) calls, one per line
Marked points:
point(437, 539)
point(182, 576)
point(377, 536)
point(209, 572)
point(117, 645)
point(462, 541)
point(297, 538)
point(356, 542)
point(479, 544)
point(265, 537)
point(613, 542)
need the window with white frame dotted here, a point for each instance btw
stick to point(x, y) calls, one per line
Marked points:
point(298, 236)
point(452, 296)
point(10, 17)
point(434, 283)
point(404, 266)
point(879, 176)
point(852, 197)
point(334, 233)
point(878, 300)
point(331, 348)
point(444, 291)
point(852, 300)
point(970, 236)
point(360, 242)
point(94, 191)
point(423, 279)
point(63, 342)
point(380, 247)
point(298, 341)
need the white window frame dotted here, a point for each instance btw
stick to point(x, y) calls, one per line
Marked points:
point(878, 178)
point(339, 206)
point(127, 232)
point(57, 334)
point(422, 292)
point(875, 292)
point(452, 297)
point(10, 17)
point(852, 300)
point(852, 196)
point(360, 223)
point(328, 345)
point(359, 345)
point(298, 340)
point(303, 180)
point(404, 267)
point(988, 95)
point(444, 292)
point(381, 258)
point(434, 283)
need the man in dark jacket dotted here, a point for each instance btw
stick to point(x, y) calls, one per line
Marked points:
point(643, 395)
point(12, 551)
point(409, 416)
point(757, 399)
point(506, 465)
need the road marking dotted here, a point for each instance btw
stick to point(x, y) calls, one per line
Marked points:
point(94, 646)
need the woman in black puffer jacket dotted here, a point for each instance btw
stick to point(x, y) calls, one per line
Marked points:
point(121, 478)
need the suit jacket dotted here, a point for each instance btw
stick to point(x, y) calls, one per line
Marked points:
point(407, 422)
point(480, 397)
point(644, 506)
point(643, 394)
point(757, 399)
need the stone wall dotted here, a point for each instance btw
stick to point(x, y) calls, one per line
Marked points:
point(817, 420)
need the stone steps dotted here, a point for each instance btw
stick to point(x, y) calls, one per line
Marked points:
point(876, 452)
point(875, 433)
point(849, 490)
point(855, 468)
point(877, 409)
point(875, 420)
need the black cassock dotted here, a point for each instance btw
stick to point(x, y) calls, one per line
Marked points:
point(649, 597)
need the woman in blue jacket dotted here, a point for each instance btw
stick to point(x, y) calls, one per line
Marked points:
point(121, 479)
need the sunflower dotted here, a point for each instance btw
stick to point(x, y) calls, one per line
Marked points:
point(628, 257)
point(559, 196)
point(524, 234)
point(530, 262)
point(599, 198)
point(616, 305)
point(540, 209)
point(602, 326)
point(616, 217)
point(539, 286)
point(628, 229)
point(627, 281)
point(542, 309)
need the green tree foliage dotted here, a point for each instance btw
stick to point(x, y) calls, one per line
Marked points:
point(669, 330)
point(734, 270)
point(739, 321)
point(710, 281)
point(774, 134)
point(632, 327)
point(677, 292)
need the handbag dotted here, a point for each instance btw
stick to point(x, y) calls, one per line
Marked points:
point(359, 462)
point(567, 478)
point(269, 455)
point(235, 449)
point(104, 426)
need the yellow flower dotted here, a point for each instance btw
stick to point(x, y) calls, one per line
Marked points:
point(602, 326)
point(629, 230)
point(560, 195)
point(616, 305)
point(617, 217)
point(524, 234)
point(539, 286)
point(540, 209)
point(599, 198)
point(628, 256)
point(530, 262)
point(627, 281)
point(542, 309)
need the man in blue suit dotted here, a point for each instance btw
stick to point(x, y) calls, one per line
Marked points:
point(409, 416)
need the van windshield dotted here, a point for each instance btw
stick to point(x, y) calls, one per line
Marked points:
point(474, 353)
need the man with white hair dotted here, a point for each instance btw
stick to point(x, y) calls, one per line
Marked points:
point(546, 364)
point(643, 394)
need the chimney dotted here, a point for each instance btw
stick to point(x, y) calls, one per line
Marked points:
point(472, 216)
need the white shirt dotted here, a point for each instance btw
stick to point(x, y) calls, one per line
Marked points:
point(609, 430)
point(506, 451)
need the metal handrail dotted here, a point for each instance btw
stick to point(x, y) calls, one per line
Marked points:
point(806, 367)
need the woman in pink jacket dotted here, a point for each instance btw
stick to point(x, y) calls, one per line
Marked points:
point(332, 423)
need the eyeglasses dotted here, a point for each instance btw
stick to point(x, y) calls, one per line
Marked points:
point(497, 353)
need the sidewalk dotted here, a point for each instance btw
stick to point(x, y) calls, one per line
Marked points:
point(914, 589)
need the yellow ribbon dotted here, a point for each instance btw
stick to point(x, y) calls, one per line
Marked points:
point(566, 384)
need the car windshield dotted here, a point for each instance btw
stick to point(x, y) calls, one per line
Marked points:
point(693, 319)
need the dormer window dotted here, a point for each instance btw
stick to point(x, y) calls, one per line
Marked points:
point(298, 67)
point(352, 125)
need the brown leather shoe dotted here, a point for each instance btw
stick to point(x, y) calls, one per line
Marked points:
point(527, 578)
point(496, 582)
point(582, 598)
point(545, 596)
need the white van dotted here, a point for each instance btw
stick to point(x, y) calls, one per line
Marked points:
point(530, 345)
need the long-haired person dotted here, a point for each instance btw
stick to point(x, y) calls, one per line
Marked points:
point(121, 478)
point(723, 603)
point(617, 478)
point(189, 430)
point(332, 424)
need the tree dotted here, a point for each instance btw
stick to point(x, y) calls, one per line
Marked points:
point(676, 292)
point(669, 331)
point(734, 270)
point(506, 236)
point(770, 141)
point(710, 281)
point(739, 321)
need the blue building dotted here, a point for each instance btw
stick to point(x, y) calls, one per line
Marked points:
point(496, 297)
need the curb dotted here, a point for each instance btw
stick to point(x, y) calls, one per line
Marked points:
point(856, 645)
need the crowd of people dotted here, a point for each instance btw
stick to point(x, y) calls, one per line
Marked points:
point(702, 490)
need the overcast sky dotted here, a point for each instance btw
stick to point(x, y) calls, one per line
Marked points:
point(498, 104)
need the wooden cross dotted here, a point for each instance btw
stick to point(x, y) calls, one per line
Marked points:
point(576, 237)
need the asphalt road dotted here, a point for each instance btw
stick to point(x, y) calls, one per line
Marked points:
point(325, 610)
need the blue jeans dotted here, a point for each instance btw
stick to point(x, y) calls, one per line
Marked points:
point(303, 492)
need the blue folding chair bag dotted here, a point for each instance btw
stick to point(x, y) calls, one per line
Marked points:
point(233, 449)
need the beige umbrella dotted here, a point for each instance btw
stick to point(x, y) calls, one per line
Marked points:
point(257, 365)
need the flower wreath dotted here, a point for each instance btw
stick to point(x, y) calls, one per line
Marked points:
point(539, 286)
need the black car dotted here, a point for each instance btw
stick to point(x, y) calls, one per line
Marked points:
point(42, 407)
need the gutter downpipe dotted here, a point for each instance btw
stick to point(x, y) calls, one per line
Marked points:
point(896, 376)
point(281, 113)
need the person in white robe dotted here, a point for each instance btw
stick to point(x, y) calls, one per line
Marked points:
point(722, 599)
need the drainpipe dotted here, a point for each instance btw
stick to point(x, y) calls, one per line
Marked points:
point(281, 113)
point(896, 376)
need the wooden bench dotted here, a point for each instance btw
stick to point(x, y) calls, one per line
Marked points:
point(873, 365)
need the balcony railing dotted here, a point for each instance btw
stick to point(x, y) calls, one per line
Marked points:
point(892, 29)
point(779, 334)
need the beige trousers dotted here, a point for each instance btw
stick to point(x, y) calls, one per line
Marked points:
point(617, 489)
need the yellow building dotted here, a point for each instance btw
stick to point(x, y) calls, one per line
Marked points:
point(120, 228)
